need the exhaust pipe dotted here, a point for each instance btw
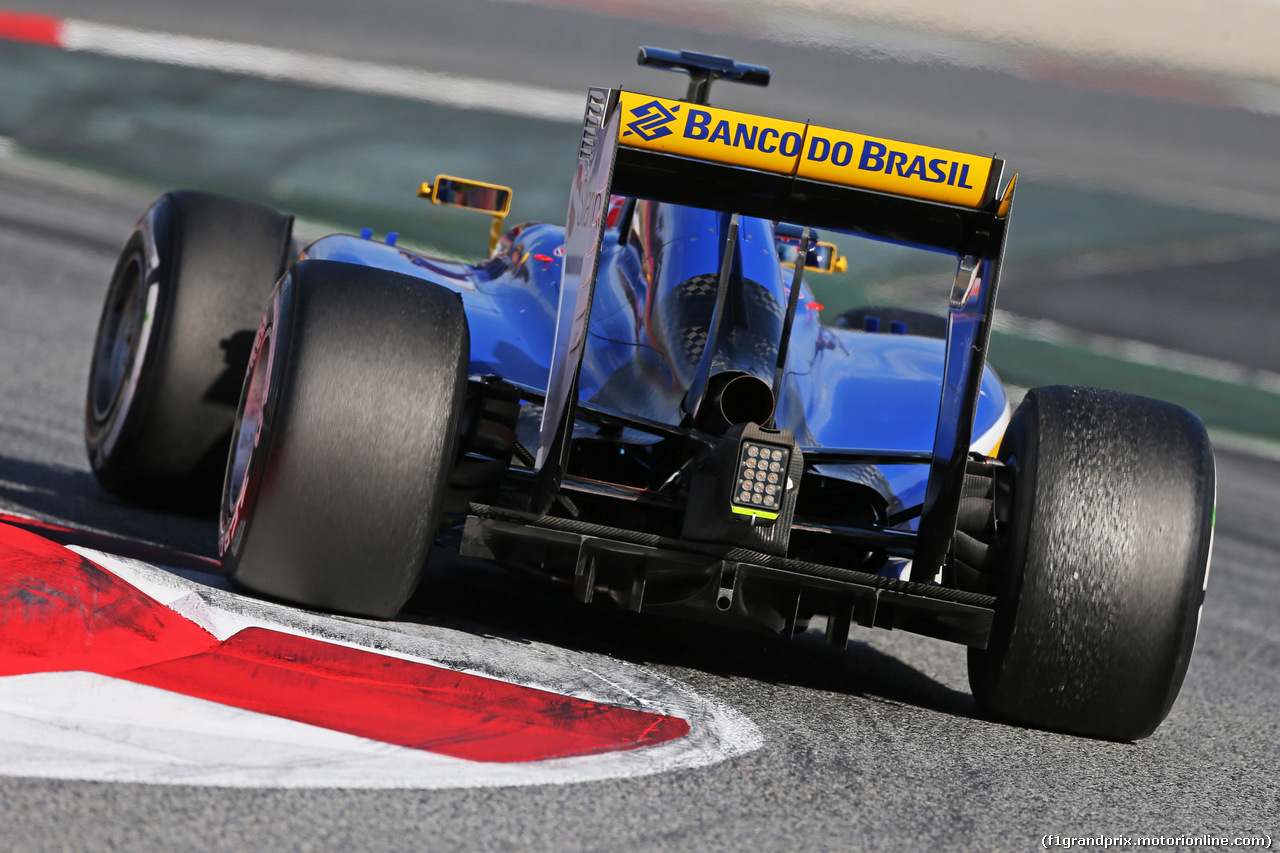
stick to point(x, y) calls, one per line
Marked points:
point(734, 397)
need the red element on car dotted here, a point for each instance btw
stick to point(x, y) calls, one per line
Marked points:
point(60, 612)
point(814, 306)
point(616, 203)
point(31, 28)
point(544, 258)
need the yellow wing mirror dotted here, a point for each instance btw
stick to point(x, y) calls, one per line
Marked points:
point(493, 199)
point(826, 258)
point(822, 257)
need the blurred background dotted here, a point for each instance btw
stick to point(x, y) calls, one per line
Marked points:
point(1145, 242)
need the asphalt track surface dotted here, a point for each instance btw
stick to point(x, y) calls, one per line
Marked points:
point(1137, 216)
point(877, 747)
point(863, 750)
point(1190, 150)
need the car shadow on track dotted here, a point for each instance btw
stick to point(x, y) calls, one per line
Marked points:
point(479, 598)
point(486, 600)
point(73, 497)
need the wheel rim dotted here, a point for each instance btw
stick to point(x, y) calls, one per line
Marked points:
point(122, 332)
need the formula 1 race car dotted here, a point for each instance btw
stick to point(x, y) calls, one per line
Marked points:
point(645, 405)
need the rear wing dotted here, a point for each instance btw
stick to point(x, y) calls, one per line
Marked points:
point(804, 173)
point(701, 156)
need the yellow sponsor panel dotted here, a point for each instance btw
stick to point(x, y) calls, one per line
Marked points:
point(901, 168)
point(817, 153)
point(708, 133)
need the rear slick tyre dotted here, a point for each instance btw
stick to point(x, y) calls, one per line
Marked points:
point(172, 344)
point(1108, 561)
point(345, 438)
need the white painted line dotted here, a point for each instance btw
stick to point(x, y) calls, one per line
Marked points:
point(75, 725)
point(309, 69)
point(1138, 352)
point(79, 725)
point(1267, 448)
point(1015, 41)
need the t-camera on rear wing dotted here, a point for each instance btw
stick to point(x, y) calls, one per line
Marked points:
point(701, 156)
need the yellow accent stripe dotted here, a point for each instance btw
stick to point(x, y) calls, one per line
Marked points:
point(758, 513)
point(1007, 201)
point(816, 153)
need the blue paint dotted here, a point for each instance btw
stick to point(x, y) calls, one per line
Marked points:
point(842, 387)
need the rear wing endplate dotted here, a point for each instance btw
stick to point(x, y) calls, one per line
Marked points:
point(701, 156)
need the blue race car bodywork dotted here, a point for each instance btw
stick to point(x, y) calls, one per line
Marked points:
point(843, 388)
point(643, 347)
point(645, 406)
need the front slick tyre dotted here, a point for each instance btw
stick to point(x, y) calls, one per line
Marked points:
point(345, 438)
point(1108, 560)
point(172, 345)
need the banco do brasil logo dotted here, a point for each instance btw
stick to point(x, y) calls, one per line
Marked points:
point(651, 121)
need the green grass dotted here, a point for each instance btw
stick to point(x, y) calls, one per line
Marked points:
point(1235, 407)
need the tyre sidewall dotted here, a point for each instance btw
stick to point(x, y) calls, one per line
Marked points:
point(153, 241)
point(240, 493)
point(208, 264)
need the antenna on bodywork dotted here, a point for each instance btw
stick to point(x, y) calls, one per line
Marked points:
point(703, 68)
